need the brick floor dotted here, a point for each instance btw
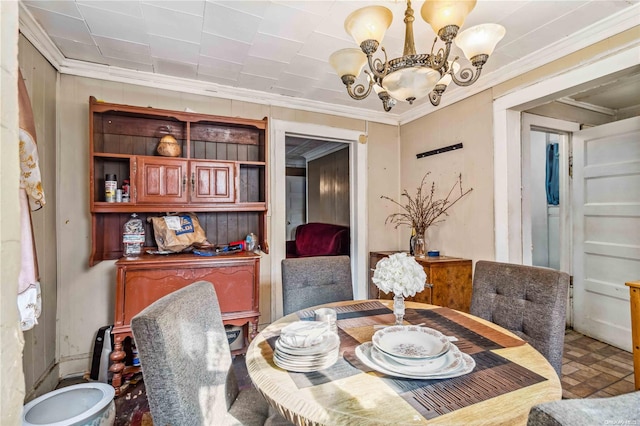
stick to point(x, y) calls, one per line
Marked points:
point(593, 369)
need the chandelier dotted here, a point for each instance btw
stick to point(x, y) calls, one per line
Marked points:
point(413, 76)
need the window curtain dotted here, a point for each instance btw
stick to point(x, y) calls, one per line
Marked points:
point(553, 174)
point(31, 198)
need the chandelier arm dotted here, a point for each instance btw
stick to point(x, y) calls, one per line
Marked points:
point(438, 61)
point(467, 76)
point(359, 92)
point(435, 98)
point(378, 68)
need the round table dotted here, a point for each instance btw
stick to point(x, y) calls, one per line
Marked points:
point(347, 395)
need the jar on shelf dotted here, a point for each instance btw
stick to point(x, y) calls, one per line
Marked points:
point(133, 236)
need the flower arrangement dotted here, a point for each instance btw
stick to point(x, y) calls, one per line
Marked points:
point(423, 211)
point(400, 274)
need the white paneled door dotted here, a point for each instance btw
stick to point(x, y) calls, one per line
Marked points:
point(606, 211)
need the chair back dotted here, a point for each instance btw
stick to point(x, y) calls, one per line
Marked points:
point(310, 281)
point(527, 300)
point(185, 357)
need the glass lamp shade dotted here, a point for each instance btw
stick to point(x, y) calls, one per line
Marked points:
point(413, 82)
point(446, 79)
point(368, 23)
point(348, 61)
point(440, 13)
point(480, 40)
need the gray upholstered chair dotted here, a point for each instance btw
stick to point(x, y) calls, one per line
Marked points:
point(310, 281)
point(616, 410)
point(187, 367)
point(527, 300)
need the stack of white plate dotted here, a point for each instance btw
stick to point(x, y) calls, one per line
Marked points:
point(305, 346)
point(414, 352)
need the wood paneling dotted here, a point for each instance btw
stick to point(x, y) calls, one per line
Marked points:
point(328, 189)
point(39, 355)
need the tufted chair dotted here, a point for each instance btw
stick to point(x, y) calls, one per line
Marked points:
point(616, 410)
point(529, 301)
point(310, 281)
point(187, 367)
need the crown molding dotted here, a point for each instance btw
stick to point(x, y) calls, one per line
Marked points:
point(601, 30)
point(30, 28)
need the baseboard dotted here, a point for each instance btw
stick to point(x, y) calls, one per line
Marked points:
point(46, 383)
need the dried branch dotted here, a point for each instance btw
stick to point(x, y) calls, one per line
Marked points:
point(423, 211)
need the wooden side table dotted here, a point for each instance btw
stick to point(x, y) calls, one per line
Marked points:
point(634, 299)
point(449, 276)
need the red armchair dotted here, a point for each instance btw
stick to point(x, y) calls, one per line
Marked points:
point(319, 239)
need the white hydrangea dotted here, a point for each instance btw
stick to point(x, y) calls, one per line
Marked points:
point(399, 274)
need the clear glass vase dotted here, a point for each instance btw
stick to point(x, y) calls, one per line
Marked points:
point(420, 246)
point(398, 308)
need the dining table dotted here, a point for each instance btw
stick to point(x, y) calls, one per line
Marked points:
point(509, 376)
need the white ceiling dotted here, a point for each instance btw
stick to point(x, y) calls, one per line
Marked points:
point(280, 49)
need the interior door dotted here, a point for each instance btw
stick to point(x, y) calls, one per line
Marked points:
point(606, 218)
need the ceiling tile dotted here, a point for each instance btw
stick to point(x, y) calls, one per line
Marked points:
point(62, 26)
point(321, 46)
point(226, 70)
point(124, 50)
point(132, 65)
point(255, 8)
point(172, 24)
point(314, 68)
point(127, 8)
point(63, 7)
point(264, 67)
point(286, 22)
point(296, 82)
point(256, 82)
point(114, 25)
point(175, 50)
point(230, 23)
point(319, 8)
point(193, 7)
point(79, 51)
point(274, 48)
point(215, 46)
point(177, 69)
point(218, 80)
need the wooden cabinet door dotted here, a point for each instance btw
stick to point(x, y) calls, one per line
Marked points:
point(212, 182)
point(161, 180)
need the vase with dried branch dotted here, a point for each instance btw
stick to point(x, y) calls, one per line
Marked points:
point(424, 210)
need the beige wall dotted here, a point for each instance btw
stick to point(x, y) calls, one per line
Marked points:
point(383, 151)
point(11, 340)
point(40, 342)
point(468, 229)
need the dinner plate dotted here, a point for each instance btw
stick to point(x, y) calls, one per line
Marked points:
point(302, 334)
point(306, 367)
point(328, 343)
point(363, 352)
point(411, 344)
point(447, 363)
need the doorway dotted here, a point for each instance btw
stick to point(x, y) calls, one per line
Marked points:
point(280, 130)
point(509, 236)
point(317, 182)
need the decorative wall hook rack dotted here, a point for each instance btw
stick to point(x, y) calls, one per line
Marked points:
point(440, 150)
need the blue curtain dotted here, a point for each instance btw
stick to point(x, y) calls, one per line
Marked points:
point(553, 178)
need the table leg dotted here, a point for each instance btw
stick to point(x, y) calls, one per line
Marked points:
point(634, 293)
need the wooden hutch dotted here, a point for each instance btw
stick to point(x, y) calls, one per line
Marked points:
point(220, 175)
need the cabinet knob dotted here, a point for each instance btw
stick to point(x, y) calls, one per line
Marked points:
point(184, 182)
point(193, 182)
